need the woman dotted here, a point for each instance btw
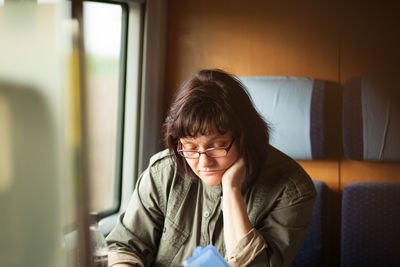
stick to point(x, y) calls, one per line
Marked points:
point(219, 182)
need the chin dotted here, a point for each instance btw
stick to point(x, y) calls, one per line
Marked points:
point(211, 180)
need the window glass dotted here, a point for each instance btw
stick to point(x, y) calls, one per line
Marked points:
point(103, 24)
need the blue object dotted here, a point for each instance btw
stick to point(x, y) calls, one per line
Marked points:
point(294, 107)
point(370, 224)
point(371, 120)
point(203, 257)
point(313, 250)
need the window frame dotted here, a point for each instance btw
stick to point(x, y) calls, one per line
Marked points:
point(144, 87)
point(119, 153)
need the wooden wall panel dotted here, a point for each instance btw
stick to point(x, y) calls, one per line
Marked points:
point(358, 171)
point(324, 170)
point(369, 39)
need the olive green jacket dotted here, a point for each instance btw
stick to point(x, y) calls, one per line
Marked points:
point(169, 215)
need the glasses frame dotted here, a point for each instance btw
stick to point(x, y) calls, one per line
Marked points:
point(181, 151)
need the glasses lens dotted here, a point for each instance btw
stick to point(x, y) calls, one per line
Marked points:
point(215, 153)
point(189, 154)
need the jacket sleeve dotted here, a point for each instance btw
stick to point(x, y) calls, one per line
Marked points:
point(120, 256)
point(247, 249)
point(138, 229)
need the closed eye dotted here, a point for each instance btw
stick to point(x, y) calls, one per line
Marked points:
point(189, 147)
point(220, 145)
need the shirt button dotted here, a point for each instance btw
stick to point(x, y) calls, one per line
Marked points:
point(206, 214)
point(164, 229)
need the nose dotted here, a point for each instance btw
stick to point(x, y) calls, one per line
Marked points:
point(205, 161)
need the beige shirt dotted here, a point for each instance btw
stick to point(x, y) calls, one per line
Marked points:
point(169, 215)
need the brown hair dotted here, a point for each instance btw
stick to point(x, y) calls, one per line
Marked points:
point(213, 100)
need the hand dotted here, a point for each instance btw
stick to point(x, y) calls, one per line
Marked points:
point(236, 219)
point(235, 175)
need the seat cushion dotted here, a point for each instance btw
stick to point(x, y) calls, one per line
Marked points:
point(294, 109)
point(371, 120)
point(370, 224)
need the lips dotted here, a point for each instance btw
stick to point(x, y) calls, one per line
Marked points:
point(209, 171)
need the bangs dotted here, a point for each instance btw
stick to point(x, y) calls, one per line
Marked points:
point(201, 120)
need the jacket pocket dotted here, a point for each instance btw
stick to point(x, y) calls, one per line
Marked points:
point(171, 242)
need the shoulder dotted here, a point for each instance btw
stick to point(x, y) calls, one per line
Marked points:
point(159, 172)
point(163, 174)
point(284, 179)
point(161, 159)
point(161, 166)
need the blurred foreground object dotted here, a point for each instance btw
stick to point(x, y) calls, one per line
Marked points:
point(37, 166)
point(206, 257)
point(98, 243)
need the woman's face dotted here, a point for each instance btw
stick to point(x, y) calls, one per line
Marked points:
point(208, 169)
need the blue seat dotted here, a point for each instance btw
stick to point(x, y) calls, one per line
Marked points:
point(312, 252)
point(294, 107)
point(371, 120)
point(370, 225)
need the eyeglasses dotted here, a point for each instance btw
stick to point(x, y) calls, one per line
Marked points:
point(211, 152)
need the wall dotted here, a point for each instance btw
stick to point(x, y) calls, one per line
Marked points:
point(320, 39)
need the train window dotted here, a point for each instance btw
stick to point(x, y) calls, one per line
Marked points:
point(104, 36)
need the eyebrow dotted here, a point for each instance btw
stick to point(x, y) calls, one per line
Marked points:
point(213, 139)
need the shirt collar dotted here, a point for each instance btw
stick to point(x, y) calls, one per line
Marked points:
point(213, 189)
